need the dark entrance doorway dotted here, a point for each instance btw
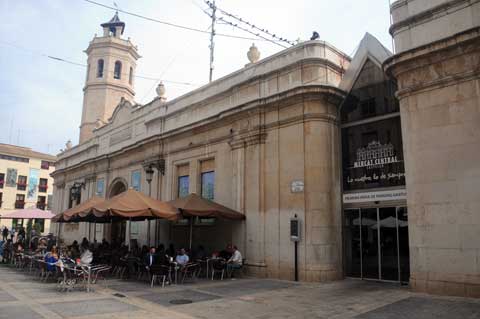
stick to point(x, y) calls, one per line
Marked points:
point(376, 243)
point(118, 228)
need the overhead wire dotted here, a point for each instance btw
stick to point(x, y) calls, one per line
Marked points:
point(64, 60)
point(251, 25)
point(168, 23)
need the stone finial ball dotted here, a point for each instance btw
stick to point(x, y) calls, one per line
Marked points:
point(253, 54)
point(161, 90)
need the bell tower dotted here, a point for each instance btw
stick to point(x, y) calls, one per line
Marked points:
point(110, 75)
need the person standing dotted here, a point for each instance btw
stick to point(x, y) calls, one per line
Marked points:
point(5, 233)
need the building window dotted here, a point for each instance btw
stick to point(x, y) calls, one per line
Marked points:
point(183, 180)
point(100, 68)
point(2, 180)
point(75, 195)
point(49, 202)
point(118, 70)
point(207, 179)
point(100, 187)
point(368, 107)
point(130, 76)
point(22, 183)
point(1, 199)
point(136, 180)
point(43, 185)
point(41, 202)
point(20, 201)
point(39, 225)
point(45, 165)
point(14, 158)
point(183, 185)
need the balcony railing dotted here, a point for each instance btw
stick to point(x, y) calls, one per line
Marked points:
point(21, 186)
point(42, 188)
point(19, 204)
point(41, 205)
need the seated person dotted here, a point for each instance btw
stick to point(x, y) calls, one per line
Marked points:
point(51, 259)
point(182, 258)
point(87, 257)
point(227, 252)
point(235, 262)
point(150, 258)
point(200, 253)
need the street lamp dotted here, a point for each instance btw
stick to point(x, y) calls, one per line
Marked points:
point(149, 175)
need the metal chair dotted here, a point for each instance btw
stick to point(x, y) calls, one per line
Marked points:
point(159, 272)
point(191, 270)
point(218, 266)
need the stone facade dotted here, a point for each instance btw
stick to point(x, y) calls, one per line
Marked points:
point(261, 128)
point(21, 161)
point(110, 77)
point(438, 71)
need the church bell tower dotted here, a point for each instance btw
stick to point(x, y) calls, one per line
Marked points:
point(110, 75)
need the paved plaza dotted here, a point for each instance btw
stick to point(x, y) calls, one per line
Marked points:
point(25, 297)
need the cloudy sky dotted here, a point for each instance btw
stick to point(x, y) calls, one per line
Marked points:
point(41, 98)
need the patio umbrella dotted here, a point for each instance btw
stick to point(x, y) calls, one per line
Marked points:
point(194, 205)
point(134, 205)
point(28, 213)
point(77, 213)
point(197, 206)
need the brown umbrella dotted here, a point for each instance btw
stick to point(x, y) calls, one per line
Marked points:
point(194, 205)
point(134, 205)
point(73, 214)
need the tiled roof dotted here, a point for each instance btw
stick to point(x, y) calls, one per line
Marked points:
point(25, 152)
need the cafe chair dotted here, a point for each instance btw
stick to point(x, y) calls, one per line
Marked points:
point(159, 272)
point(218, 266)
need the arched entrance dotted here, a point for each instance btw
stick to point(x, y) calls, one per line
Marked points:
point(119, 228)
point(118, 185)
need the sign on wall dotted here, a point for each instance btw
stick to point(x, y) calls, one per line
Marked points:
point(33, 183)
point(399, 194)
point(297, 186)
point(373, 155)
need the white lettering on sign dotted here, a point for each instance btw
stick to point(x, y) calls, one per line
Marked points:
point(400, 194)
point(375, 155)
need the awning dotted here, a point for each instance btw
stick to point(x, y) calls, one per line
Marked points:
point(134, 205)
point(72, 214)
point(28, 213)
point(194, 205)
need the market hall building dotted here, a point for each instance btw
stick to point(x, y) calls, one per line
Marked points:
point(308, 131)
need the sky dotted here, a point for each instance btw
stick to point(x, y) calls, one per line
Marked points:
point(41, 98)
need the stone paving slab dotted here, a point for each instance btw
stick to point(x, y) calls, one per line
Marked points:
point(245, 287)
point(5, 297)
point(166, 298)
point(90, 307)
point(426, 308)
point(17, 312)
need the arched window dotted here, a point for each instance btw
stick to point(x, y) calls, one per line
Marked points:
point(118, 70)
point(100, 68)
point(130, 76)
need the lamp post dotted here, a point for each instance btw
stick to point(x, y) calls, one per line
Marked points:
point(149, 176)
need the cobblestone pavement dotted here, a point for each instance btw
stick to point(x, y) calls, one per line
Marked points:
point(23, 296)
